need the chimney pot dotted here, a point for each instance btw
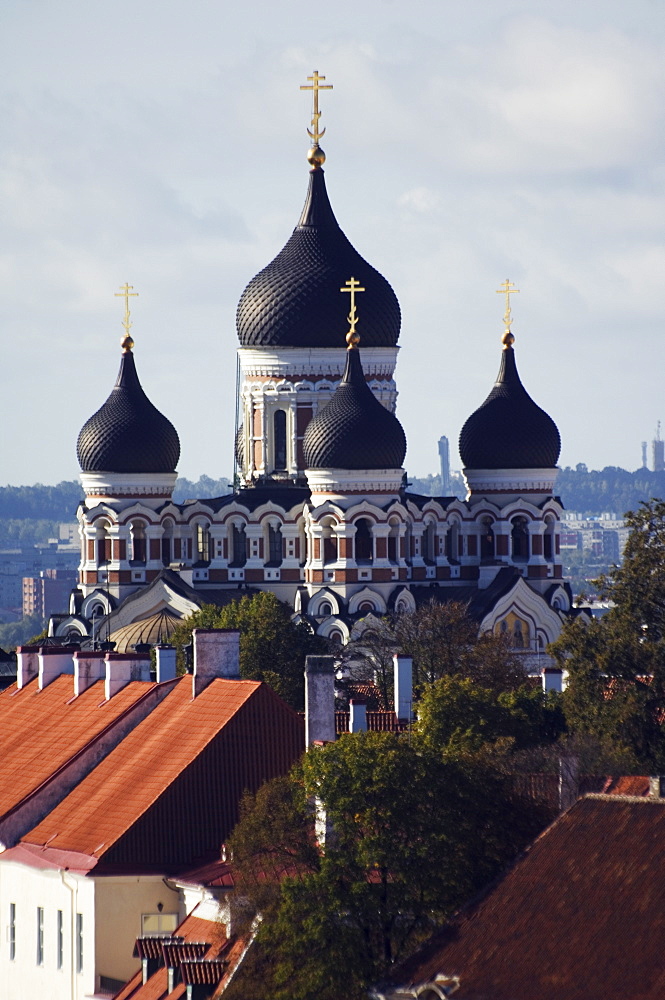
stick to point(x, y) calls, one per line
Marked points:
point(165, 656)
point(319, 699)
point(216, 654)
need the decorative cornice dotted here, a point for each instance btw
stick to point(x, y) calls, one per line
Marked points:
point(319, 362)
point(502, 481)
point(117, 485)
point(356, 482)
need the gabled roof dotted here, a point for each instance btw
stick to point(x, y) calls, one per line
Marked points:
point(581, 916)
point(169, 793)
point(40, 731)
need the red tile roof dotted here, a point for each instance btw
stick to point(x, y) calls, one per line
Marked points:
point(580, 917)
point(40, 731)
point(205, 937)
point(169, 793)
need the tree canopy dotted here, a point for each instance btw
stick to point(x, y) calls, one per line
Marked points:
point(272, 646)
point(616, 665)
point(411, 839)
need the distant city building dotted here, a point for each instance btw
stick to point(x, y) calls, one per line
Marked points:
point(444, 455)
point(47, 593)
point(603, 536)
point(658, 451)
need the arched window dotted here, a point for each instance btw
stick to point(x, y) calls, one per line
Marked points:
point(548, 539)
point(274, 544)
point(520, 539)
point(238, 545)
point(428, 542)
point(366, 607)
point(487, 539)
point(393, 542)
point(103, 546)
point(364, 547)
point(202, 530)
point(329, 543)
point(452, 542)
point(325, 609)
point(167, 542)
point(408, 543)
point(336, 636)
point(279, 438)
point(138, 542)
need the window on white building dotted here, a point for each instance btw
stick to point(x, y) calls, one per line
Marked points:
point(59, 940)
point(12, 931)
point(40, 935)
point(158, 923)
point(79, 942)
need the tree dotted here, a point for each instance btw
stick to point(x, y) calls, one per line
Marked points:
point(616, 665)
point(454, 712)
point(443, 640)
point(272, 646)
point(412, 839)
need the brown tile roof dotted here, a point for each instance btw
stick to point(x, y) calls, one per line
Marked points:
point(191, 758)
point(40, 731)
point(580, 917)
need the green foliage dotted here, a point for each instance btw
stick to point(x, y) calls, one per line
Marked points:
point(272, 647)
point(616, 665)
point(443, 641)
point(455, 712)
point(22, 632)
point(53, 503)
point(609, 489)
point(202, 489)
point(411, 839)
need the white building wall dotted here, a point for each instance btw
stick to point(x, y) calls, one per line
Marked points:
point(111, 909)
point(29, 888)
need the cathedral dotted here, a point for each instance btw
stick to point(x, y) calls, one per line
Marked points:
point(321, 513)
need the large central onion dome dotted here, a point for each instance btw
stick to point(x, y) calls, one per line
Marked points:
point(295, 300)
point(354, 431)
point(509, 431)
point(128, 434)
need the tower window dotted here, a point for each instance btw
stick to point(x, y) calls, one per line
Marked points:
point(279, 432)
point(487, 540)
point(274, 545)
point(238, 545)
point(363, 541)
point(520, 539)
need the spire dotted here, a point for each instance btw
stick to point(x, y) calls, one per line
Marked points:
point(315, 154)
point(509, 430)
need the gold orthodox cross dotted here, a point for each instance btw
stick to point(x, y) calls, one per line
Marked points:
point(126, 294)
point(352, 286)
point(316, 86)
point(507, 289)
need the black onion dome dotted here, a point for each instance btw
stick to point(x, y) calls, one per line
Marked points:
point(353, 430)
point(509, 431)
point(295, 301)
point(128, 433)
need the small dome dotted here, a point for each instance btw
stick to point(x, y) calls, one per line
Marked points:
point(509, 431)
point(354, 431)
point(128, 434)
point(295, 301)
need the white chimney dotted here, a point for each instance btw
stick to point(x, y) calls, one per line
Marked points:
point(319, 699)
point(89, 666)
point(53, 661)
point(552, 679)
point(121, 668)
point(27, 664)
point(403, 676)
point(165, 656)
point(216, 654)
point(357, 716)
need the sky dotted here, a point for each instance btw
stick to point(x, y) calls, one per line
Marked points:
point(164, 145)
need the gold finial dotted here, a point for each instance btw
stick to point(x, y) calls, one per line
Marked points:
point(315, 155)
point(126, 343)
point(507, 289)
point(352, 286)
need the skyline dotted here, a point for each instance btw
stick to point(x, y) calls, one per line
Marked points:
point(464, 147)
